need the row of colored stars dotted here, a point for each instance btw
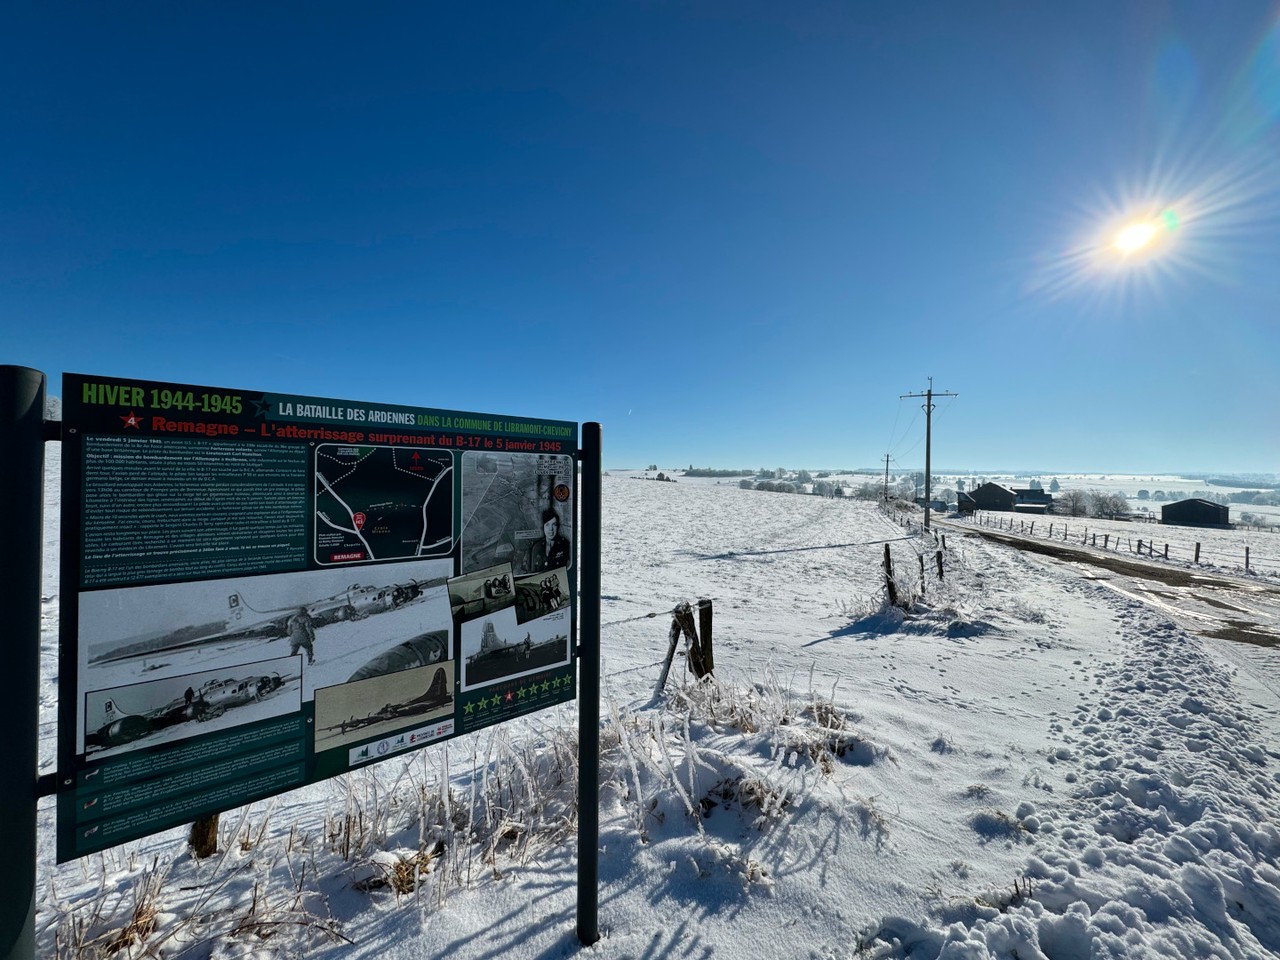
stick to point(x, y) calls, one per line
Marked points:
point(520, 693)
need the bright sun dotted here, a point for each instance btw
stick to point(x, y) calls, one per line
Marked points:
point(1135, 237)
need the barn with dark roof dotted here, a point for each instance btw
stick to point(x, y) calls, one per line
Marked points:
point(1196, 512)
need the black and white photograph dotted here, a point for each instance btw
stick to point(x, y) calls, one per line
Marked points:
point(121, 719)
point(350, 712)
point(395, 616)
point(538, 594)
point(481, 592)
point(517, 509)
point(497, 648)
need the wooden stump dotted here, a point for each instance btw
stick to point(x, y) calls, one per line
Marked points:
point(204, 837)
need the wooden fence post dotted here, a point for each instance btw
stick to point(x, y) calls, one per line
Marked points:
point(922, 574)
point(1166, 551)
point(1051, 531)
point(890, 586)
point(938, 557)
point(696, 658)
point(672, 639)
point(1106, 539)
point(1246, 559)
point(699, 659)
point(704, 630)
point(1139, 546)
point(1197, 560)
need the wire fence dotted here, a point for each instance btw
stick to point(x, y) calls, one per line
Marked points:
point(1228, 550)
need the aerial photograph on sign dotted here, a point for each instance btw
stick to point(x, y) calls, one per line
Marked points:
point(497, 648)
point(350, 712)
point(145, 714)
point(382, 503)
point(518, 509)
point(396, 617)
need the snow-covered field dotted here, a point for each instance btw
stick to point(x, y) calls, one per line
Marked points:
point(1034, 762)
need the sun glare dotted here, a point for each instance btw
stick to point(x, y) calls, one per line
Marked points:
point(1135, 237)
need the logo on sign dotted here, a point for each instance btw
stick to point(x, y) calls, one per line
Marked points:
point(359, 520)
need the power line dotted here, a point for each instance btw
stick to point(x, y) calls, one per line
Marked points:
point(928, 396)
point(905, 433)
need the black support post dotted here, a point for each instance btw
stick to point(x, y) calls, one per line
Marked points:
point(22, 393)
point(589, 689)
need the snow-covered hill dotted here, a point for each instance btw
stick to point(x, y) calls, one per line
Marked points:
point(1029, 763)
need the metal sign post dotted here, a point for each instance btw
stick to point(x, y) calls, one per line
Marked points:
point(589, 690)
point(22, 393)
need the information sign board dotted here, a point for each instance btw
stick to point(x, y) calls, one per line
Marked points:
point(263, 590)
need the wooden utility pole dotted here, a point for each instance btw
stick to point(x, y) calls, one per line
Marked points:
point(886, 476)
point(928, 396)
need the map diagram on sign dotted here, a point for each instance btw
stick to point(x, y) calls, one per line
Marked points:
point(382, 503)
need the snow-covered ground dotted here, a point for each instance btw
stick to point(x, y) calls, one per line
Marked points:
point(1039, 760)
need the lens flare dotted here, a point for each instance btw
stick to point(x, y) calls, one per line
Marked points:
point(1135, 237)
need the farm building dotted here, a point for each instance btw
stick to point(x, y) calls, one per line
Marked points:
point(965, 503)
point(1032, 500)
point(1196, 513)
point(996, 496)
point(993, 496)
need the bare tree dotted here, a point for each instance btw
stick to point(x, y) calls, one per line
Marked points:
point(869, 491)
point(1074, 503)
point(1104, 503)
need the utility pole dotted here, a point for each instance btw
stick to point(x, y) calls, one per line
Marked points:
point(928, 437)
point(886, 476)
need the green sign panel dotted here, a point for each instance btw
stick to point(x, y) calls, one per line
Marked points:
point(266, 590)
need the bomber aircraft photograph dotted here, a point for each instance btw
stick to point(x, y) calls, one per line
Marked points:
point(481, 591)
point(244, 622)
point(163, 711)
point(328, 630)
point(496, 648)
point(350, 712)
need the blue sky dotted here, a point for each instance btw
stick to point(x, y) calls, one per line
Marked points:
point(733, 233)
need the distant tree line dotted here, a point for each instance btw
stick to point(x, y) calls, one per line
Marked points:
point(1260, 498)
point(1252, 482)
point(821, 488)
point(709, 472)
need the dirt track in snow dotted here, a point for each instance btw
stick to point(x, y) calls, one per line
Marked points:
point(1214, 605)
